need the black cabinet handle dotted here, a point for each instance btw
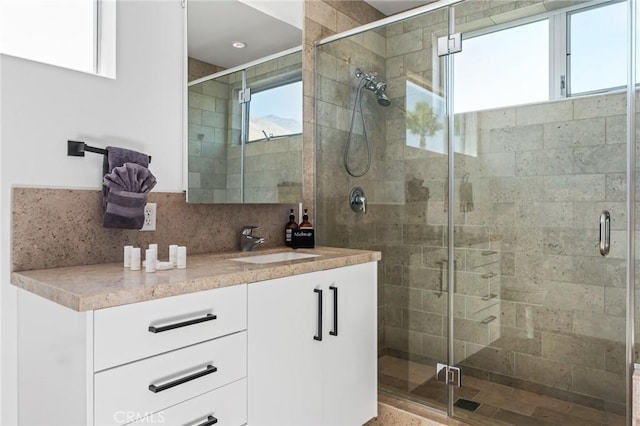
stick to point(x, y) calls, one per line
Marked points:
point(319, 336)
point(210, 421)
point(208, 317)
point(210, 369)
point(334, 332)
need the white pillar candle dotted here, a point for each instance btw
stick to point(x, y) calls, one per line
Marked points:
point(127, 256)
point(151, 258)
point(173, 254)
point(135, 258)
point(153, 255)
point(182, 257)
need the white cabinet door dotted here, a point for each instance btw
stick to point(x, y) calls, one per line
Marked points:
point(284, 367)
point(349, 385)
point(296, 379)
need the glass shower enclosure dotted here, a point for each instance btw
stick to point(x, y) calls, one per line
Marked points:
point(491, 143)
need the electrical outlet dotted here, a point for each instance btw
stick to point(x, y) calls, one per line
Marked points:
point(149, 217)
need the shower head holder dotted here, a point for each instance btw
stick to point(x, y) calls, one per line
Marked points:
point(371, 83)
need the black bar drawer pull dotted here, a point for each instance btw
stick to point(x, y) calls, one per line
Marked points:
point(210, 421)
point(208, 317)
point(210, 369)
point(319, 336)
point(334, 332)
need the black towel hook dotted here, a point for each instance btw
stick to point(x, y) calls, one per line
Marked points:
point(78, 148)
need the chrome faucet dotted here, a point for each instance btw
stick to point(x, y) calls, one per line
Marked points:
point(248, 241)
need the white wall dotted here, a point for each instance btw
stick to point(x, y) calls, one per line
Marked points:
point(42, 106)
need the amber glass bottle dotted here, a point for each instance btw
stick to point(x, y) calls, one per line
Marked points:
point(289, 228)
point(305, 221)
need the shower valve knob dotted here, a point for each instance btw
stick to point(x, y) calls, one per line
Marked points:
point(357, 200)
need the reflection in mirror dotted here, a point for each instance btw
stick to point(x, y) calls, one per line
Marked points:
point(214, 129)
point(252, 151)
point(244, 152)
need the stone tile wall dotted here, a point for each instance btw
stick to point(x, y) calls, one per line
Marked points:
point(198, 69)
point(63, 227)
point(209, 139)
point(323, 18)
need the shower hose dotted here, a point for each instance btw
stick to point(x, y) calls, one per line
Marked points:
point(357, 104)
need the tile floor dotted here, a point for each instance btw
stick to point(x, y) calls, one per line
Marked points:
point(499, 404)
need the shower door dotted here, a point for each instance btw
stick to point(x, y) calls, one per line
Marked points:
point(405, 186)
point(540, 156)
point(492, 170)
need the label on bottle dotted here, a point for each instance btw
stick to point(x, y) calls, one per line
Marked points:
point(303, 238)
point(287, 235)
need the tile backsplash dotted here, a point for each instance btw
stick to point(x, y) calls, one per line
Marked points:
point(63, 227)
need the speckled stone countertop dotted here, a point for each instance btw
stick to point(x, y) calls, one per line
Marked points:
point(85, 288)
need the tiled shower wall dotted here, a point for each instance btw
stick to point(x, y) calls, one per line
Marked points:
point(209, 138)
point(535, 306)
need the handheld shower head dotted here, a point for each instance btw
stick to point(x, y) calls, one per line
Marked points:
point(383, 99)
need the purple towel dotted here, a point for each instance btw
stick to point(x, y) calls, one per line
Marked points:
point(125, 210)
point(126, 188)
point(116, 157)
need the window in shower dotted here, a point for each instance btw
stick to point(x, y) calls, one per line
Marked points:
point(501, 68)
point(570, 52)
point(276, 112)
point(597, 48)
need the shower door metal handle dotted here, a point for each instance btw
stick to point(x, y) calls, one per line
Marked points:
point(605, 233)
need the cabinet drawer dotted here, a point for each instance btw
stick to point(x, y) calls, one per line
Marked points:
point(227, 405)
point(126, 389)
point(122, 334)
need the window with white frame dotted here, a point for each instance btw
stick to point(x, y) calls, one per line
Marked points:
point(491, 66)
point(570, 52)
point(597, 48)
point(74, 34)
point(276, 112)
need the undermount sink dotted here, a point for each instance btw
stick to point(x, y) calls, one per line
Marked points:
point(274, 257)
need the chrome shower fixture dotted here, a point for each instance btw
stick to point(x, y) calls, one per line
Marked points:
point(377, 87)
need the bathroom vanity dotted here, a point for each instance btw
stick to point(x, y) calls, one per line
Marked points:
point(222, 342)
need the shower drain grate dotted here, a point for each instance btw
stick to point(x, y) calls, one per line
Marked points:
point(466, 404)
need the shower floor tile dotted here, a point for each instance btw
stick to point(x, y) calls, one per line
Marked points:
point(499, 404)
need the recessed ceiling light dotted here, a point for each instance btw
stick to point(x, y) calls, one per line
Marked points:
point(239, 44)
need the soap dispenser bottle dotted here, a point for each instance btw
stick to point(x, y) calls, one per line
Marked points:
point(289, 228)
point(305, 224)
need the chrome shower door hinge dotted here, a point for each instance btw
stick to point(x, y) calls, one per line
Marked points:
point(451, 43)
point(449, 375)
point(244, 96)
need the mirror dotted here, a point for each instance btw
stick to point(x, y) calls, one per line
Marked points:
point(244, 120)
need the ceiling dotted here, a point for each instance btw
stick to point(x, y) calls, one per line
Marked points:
point(214, 25)
point(265, 26)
